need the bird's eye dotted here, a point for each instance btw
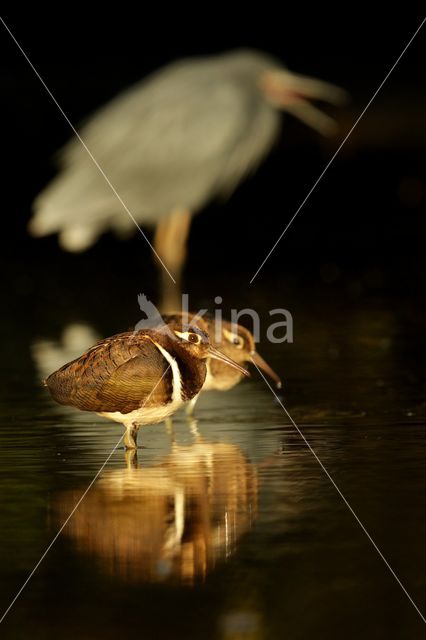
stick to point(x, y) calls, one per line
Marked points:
point(239, 342)
point(233, 338)
point(189, 336)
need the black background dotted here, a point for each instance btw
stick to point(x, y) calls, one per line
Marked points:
point(367, 214)
point(354, 380)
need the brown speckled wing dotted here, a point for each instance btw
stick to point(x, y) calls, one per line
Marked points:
point(121, 373)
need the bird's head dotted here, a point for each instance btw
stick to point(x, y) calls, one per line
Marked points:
point(288, 91)
point(238, 343)
point(195, 342)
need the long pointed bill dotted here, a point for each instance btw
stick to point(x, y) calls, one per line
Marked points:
point(260, 362)
point(292, 92)
point(214, 353)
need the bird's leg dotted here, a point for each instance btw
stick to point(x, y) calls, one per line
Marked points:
point(170, 241)
point(131, 436)
point(169, 426)
point(191, 405)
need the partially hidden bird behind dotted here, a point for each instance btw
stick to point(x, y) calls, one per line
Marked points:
point(231, 339)
point(171, 143)
point(138, 378)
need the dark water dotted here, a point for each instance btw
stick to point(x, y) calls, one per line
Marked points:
point(227, 528)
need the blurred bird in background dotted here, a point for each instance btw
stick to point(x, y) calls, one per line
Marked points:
point(188, 133)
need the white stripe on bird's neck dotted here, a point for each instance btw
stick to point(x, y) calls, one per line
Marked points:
point(177, 380)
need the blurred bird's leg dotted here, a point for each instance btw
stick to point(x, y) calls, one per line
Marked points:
point(170, 241)
point(169, 426)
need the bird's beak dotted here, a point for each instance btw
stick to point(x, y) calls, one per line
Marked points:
point(260, 362)
point(214, 353)
point(292, 93)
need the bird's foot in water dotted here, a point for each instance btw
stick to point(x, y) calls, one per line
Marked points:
point(131, 437)
point(131, 458)
point(138, 447)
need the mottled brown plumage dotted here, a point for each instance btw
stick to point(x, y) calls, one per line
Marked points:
point(119, 373)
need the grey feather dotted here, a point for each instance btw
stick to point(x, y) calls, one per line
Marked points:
point(186, 134)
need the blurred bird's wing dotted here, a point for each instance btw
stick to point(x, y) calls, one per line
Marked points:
point(163, 144)
point(117, 374)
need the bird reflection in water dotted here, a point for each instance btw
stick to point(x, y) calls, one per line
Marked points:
point(173, 521)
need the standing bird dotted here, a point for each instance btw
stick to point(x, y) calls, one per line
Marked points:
point(188, 133)
point(139, 377)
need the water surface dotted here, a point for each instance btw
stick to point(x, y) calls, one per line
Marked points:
point(227, 527)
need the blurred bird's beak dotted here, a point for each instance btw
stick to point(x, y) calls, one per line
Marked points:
point(260, 362)
point(292, 93)
point(214, 353)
